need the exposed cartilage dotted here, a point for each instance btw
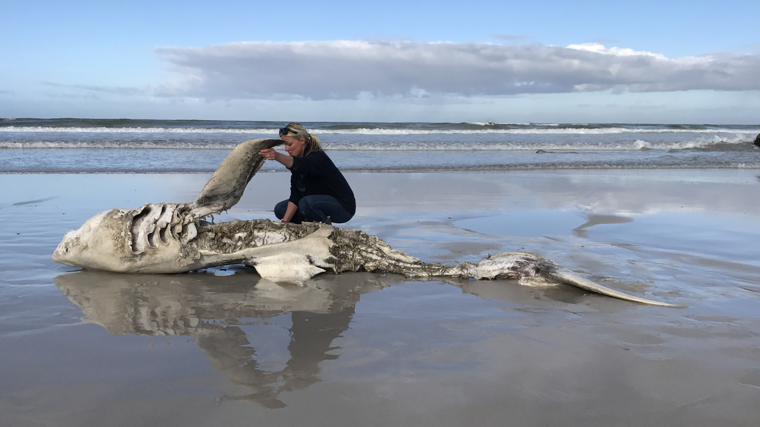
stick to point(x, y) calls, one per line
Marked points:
point(180, 217)
point(157, 223)
point(142, 225)
point(190, 232)
point(155, 229)
point(163, 222)
point(177, 230)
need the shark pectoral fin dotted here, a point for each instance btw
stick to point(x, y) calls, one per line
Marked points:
point(568, 278)
point(285, 267)
point(227, 184)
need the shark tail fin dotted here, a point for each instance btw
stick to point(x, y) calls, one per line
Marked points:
point(564, 276)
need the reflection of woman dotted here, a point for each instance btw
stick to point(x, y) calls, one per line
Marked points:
point(318, 191)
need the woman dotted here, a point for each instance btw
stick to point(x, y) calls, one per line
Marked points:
point(318, 191)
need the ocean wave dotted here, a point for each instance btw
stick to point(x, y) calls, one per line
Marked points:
point(715, 142)
point(402, 169)
point(555, 166)
point(45, 129)
point(114, 145)
point(701, 142)
point(550, 129)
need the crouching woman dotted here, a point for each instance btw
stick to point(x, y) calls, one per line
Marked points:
point(318, 191)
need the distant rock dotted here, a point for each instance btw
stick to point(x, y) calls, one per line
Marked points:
point(757, 140)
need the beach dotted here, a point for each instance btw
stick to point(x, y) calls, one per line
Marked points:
point(225, 347)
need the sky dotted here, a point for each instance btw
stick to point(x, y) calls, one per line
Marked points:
point(444, 61)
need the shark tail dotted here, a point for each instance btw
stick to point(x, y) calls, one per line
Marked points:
point(564, 276)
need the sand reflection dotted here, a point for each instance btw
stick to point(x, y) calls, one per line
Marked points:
point(215, 312)
point(594, 219)
point(211, 309)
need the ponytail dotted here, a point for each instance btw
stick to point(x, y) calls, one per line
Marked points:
point(312, 144)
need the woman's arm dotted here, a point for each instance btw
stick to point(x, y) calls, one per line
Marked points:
point(289, 212)
point(271, 154)
point(287, 161)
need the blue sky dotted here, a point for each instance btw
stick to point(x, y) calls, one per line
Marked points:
point(540, 61)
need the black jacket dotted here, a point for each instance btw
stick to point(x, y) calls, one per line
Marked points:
point(316, 174)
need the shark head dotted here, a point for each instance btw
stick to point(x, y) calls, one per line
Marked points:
point(152, 238)
point(133, 240)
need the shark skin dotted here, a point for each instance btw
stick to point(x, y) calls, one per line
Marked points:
point(174, 238)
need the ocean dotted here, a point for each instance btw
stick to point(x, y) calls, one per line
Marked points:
point(199, 146)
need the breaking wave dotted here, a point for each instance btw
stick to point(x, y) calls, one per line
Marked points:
point(390, 169)
point(463, 129)
point(713, 142)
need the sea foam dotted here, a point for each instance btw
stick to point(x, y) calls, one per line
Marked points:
point(369, 131)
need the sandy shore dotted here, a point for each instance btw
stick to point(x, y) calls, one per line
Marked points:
point(223, 347)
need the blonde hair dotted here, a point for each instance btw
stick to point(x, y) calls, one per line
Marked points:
point(312, 142)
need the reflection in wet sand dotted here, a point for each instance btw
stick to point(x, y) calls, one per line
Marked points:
point(212, 309)
point(207, 308)
point(593, 219)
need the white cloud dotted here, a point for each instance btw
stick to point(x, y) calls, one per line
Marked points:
point(362, 69)
point(600, 48)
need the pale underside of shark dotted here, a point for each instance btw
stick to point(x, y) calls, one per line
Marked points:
point(174, 238)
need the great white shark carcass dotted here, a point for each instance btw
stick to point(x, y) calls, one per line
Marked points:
point(175, 238)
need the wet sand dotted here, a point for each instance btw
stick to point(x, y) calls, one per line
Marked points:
point(223, 347)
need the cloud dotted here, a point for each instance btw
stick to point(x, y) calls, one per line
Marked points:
point(363, 69)
point(511, 37)
point(117, 90)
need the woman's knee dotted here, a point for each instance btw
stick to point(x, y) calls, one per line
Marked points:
point(323, 209)
point(309, 207)
point(304, 205)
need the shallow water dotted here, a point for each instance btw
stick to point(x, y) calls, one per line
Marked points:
point(223, 347)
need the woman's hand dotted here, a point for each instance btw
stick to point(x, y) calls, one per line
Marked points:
point(268, 154)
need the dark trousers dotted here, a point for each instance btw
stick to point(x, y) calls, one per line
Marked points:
point(315, 208)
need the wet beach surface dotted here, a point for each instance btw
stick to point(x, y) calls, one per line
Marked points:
point(224, 347)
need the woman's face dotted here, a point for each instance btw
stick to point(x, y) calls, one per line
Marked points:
point(294, 145)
